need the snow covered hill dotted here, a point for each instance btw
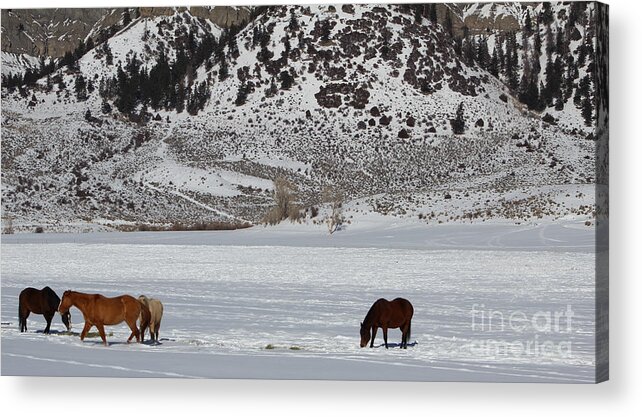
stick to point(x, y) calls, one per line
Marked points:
point(176, 119)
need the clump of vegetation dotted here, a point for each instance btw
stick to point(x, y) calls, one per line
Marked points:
point(295, 348)
point(286, 207)
point(8, 225)
point(458, 124)
point(549, 119)
point(182, 227)
point(335, 218)
point(269, 347)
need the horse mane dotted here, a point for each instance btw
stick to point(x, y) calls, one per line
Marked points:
point(144, 300)
point(369, 316)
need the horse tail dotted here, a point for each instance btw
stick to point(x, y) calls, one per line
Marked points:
point(409, 332)
point(145, 316)
point(22, 320)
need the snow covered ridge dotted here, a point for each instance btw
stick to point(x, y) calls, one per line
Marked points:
point(174, 119)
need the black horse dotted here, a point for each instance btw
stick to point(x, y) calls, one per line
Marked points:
point(45, 302)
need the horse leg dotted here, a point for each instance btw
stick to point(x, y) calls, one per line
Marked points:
point(408, 332)
point(23, 320)
point(85, 330)
point(374, 333)
point(48, 318)
point(407, 336)
point(385, 336)
point(135, 332)
point(143, 328)
point(101, 331)
point(156, 330)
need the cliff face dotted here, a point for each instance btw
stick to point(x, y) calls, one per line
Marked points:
point(222, 16)
point(480, 18)
point(53, 32)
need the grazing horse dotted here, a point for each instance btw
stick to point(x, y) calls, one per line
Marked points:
point(156, 314)
point(45, 302)
point(99, 311)
point(387, 315)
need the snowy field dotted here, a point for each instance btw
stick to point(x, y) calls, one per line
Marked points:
point(493, 302)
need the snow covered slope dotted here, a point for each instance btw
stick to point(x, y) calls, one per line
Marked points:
point(359, 98)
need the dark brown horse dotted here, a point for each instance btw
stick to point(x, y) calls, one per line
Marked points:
point(387, 315)
point(45, 302)
point(99, 311)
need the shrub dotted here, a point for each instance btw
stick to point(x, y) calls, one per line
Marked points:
point(458, 124)
point(334, 198)
point(284, 195)
point(178, 226)
point(8, 226)
point(549, 119)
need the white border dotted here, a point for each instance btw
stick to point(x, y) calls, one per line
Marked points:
point(620, 396)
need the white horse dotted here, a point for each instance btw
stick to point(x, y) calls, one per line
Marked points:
point(156, 314)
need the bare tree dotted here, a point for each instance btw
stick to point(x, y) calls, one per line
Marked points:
point(334, 198)
point(285, 195)
point(7, 228)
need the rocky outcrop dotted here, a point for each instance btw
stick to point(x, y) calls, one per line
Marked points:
point(223, 16)
point(467, 15)
point(53, 32)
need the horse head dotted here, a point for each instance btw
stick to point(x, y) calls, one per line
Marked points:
point(65, 305)
point(365, 335)
point(66, 320)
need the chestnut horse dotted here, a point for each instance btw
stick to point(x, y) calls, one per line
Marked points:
point(45, 302)
point(387, 315)
point(156, 310)
point(99, 311)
